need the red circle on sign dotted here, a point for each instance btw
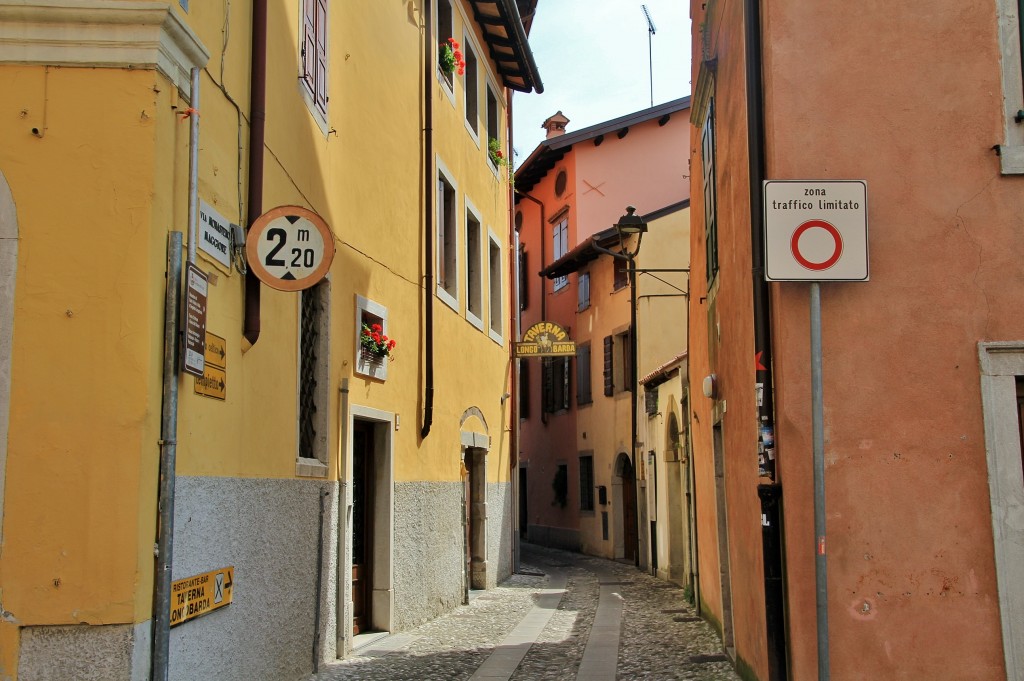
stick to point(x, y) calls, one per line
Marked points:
point(794, 245)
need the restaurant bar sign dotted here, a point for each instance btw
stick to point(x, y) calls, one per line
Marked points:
point(546, 339)
point(198, 595)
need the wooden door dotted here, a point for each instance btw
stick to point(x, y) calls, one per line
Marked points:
point(362, 526)
point(629, 537)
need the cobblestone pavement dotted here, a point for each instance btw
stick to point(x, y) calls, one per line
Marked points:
point(660, 637)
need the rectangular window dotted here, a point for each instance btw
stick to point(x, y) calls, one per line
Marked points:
point(621, 275)
point(587, 483)
point(624, 377)
point(314, 324)
point(583, 395)
point(524, 279)
point(495, 309)
point(493, 131)
point(583, 290)
point(710, 195)
point(447, 254)
point(555, 372)
point(370, 313)
point(474, 273)
point(445, 30)
point(1010, 16)
point(314, 52)
point(560, 246)
point(472, 75)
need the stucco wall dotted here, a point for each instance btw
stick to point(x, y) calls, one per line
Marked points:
point(116, 652)
point(267, 530)
point(429, 551)
point(499, 532)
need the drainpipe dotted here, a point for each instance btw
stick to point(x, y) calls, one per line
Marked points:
point(168, 455)
point(344, 514)
point(257, 121)
point(514, 335)
point(773, 546)
point(428, 214)
point(543, 286)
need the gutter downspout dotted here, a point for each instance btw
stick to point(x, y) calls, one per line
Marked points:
point(514, 336)
point(168, 456)
point(257, 124)
point(343, 623)
point(773, 546)
point(543, 286)
point(428, 233)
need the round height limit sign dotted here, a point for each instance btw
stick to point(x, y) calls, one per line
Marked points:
point(815, 230)
point(290, 248)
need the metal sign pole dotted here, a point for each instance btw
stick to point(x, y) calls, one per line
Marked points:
point(818, 438)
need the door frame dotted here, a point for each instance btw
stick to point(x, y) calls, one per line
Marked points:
point(1001, 363)
point(382, 563)
point(474, 460)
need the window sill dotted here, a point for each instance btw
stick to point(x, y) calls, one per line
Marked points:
point(310, 468)
point(449, 88)
point(447, 298)
point(1011, 160)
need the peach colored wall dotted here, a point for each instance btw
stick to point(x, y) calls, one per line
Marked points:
point(726, 311)
point(912, 591)
point(604, 426)
point(910, 541)
point(543, 446)
point(646, 169)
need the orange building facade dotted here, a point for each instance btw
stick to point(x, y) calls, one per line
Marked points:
point(922, 363)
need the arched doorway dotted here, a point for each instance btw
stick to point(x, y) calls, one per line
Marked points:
point(678, 502)
point(624, 500)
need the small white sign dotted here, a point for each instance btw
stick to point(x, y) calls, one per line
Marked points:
point(214, 234)
point(815, 230)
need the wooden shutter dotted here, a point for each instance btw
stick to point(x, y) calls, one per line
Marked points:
point(583, 374)
point(524, 280)
point(564, 401)
point(524, 389)
point(547, 384)
point(609, 366)
point(309, 44)
point(321, 55)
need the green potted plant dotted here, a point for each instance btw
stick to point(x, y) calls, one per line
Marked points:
point(449, 57)
point(375, 345)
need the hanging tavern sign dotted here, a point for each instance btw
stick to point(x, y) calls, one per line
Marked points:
point(546, 339)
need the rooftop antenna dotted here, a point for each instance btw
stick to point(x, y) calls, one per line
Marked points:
point(650, 58)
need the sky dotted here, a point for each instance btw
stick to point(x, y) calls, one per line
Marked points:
point(592, 56)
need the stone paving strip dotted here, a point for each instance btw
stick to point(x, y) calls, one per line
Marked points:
point(510, 653)
point(612, 622)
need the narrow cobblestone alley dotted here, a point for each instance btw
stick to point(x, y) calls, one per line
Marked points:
point(564, 616)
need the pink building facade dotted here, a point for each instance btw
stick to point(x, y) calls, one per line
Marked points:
point(580, 487)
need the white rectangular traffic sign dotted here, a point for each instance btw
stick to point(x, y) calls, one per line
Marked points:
point(816, 230)
point(214, 234)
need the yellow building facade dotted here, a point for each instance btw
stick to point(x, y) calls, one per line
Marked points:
point(345, 493)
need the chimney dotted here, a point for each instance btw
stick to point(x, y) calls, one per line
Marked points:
point(555, 125)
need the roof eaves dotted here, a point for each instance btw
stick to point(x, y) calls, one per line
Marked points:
point(503, 30)
point(664, 370)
